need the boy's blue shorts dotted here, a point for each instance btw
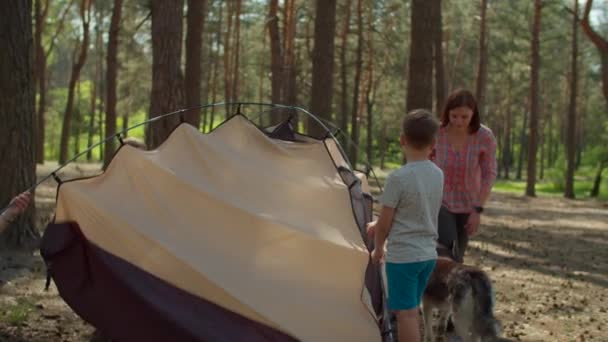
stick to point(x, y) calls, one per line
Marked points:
point(406, 283)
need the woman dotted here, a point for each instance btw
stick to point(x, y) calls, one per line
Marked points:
point(15, 208)
point(466, 152)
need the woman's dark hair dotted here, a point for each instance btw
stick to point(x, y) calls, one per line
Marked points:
point(461, 98)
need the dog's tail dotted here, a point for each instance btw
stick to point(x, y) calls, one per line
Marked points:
point(479, 284)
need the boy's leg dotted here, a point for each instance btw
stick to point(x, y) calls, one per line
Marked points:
point(409, 326)
point(404, 297)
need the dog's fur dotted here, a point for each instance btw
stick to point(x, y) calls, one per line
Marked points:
point(465, 293)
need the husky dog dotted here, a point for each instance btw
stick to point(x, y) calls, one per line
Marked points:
point(465, 294)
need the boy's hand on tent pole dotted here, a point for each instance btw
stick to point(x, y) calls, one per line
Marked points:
point(377, 255)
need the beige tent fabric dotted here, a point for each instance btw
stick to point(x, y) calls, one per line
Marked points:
point(262, 227)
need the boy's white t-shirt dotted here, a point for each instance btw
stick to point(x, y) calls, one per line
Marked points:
point(415, 190)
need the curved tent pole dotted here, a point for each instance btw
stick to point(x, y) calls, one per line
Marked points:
point(118, 135)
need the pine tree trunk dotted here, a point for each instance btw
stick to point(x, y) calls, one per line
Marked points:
point(344, 74)
point(482, 66)
point(523, 146)
point(354, 118)
point(194, 47)
point(289, 40)
point(371, 88)
point(571, 130)
point(111, 80)
point(420, 75)
point(276, 58)
point(228, 57)
point(595, 191)
point(507, 158)
point(534, 102)
point(216, 68)
point(323, 63)
point(85, 16)
point(96, 82)
point(234, 92)
point(17, 110)
point(167, 79)
point(440, 84)
point(40, 77)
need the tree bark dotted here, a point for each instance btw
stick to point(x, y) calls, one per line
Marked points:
point(167, 79)
point(595, 191)
point(344, 73)
point(228, 57)
point(571, 130)
point(276, 58)
point(40, 75)
point(354, 117)
point(323, 63)
point(420, 75)
point(17, 110)
point(482, 66)
point(440, 83)
point(234, 92)
point(111, 80)
point(85, 16)
point(194, 48)
point(534, 102)
point(289, 40)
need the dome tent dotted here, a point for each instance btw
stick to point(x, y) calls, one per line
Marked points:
point(241, 234)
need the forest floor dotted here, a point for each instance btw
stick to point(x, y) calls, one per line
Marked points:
point(547, 257)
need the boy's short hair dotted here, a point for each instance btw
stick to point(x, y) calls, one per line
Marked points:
point(420, 128)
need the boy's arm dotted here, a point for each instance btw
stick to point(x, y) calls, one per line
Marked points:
point(381, 228)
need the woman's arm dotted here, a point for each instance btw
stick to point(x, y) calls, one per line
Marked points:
point(488, 165)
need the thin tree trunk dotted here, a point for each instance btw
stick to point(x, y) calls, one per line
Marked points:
point(289, 40)
point(276, 58)
point(354, 119)
point(382, 144)
point(523, 146)
point(85, 16)
point(167, 79)
point(215, 67)
point(228, 57)
point(344, 73)
point(440, 84)
point(40, 76)
point(96, 82)
point(323, 63)
point(194, 47)
point(482, 66)
point(17, 86)
point(111, 80)
point(534, 102)
point(77, 120)
point(597, 181)
point(420, 75)
point(234, 93)
point(571, 131)
point(507, 158)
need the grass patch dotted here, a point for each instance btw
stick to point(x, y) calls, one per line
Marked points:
point(17, 313)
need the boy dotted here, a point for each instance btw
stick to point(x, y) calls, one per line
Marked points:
point(410, 208)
